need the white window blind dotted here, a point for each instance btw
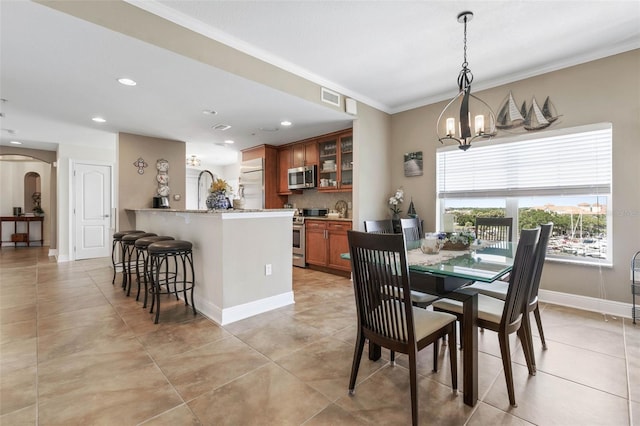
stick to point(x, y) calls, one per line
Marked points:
point(567, 162)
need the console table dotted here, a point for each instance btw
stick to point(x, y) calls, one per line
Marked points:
point(28, 220)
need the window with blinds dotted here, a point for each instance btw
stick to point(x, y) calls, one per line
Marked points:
point(562, 175)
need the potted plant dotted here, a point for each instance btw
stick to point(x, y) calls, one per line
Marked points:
point(217, 198)
point(457, 240)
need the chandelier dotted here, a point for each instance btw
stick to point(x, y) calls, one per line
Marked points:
point(465, 106)
point(193, 161)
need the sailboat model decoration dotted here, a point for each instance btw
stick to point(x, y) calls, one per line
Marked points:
point(531, 119)
point(508, 115)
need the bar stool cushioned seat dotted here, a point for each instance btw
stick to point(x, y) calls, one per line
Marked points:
point(141, 245)
point(117, 241)
point(128, 249)
point(183, 280)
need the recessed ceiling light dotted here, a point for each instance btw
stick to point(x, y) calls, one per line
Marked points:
point(99, 120)
point(16, 142)
point(229, 141)
point(286, 123)
point(209, 112)
point(126, 81)
point(222, 127)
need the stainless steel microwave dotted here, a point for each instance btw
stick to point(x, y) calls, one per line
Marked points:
point(302, 177)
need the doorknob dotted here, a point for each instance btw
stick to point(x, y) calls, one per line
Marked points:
point(106, 215)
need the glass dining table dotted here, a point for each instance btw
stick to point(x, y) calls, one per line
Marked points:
point(445, 274)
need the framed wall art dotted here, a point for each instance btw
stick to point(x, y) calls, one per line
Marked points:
point(413, 164)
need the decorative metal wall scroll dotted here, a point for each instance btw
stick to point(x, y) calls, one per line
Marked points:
point(140, 164)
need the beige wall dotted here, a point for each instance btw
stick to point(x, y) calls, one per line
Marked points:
point(372, 182)
point(136, 191)
point(606, 90)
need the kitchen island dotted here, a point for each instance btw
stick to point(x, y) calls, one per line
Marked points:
point(242, 258)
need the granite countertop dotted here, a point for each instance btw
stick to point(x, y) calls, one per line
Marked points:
point(338, 219)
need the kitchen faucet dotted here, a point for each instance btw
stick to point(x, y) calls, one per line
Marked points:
point(199, 176)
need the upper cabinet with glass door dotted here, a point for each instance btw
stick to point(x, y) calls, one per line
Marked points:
point(335, 166)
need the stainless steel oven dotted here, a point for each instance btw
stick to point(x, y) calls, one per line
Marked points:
point(298, 242)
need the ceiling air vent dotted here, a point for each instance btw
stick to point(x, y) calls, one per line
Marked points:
point(221, 127)
point(330, 97)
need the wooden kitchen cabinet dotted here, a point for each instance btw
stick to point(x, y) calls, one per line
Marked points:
point(335, 163)
point(284, 164)
point(304, 154)
point(325, 242)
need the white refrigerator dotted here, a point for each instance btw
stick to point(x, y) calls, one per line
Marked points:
point(252, 183)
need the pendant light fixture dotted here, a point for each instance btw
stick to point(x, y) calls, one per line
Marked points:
point(193, 161)
point(466, 117)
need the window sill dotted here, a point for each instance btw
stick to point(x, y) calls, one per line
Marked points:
point(601, 264)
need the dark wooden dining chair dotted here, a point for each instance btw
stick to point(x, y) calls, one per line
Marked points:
point(383, 226)
point(494, 228)
point(386, 227)
point(385, 314)
point(499, 289)
point(411, 228)
point(506, 316)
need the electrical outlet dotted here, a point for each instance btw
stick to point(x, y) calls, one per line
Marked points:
point(267, 269)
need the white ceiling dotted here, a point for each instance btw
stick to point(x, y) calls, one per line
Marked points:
point(58, 71)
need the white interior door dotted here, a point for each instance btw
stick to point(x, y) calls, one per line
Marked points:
point(92, 210)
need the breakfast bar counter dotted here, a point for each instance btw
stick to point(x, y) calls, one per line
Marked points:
point(242, 258)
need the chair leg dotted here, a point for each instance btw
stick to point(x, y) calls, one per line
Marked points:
point(113, 260)
point(536, 313)
point(413, 379)
point(392, 357)
point(357, 355)
point(506, 364)
point(524, 334)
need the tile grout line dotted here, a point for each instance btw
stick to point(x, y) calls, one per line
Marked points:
point(153, 360)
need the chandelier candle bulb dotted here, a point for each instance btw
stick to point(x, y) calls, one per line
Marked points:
point(479, 124)
point(451, 126)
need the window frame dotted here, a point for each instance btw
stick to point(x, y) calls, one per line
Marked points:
point(511, 196)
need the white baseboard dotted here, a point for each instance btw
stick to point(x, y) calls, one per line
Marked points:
point(63, 258)
point(237, 313)
point(53, 252)
point(610, 307)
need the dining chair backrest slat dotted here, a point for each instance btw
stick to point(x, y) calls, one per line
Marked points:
point(380, 274)
point(494, 228)
point(383, 226)
point(520, 278)
point(411, 228)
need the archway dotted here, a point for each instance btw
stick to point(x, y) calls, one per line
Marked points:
point(32, 193)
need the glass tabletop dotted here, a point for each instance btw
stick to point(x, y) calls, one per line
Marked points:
point(486, 262)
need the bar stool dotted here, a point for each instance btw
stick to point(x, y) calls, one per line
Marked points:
point(117, 241)
point(141, 246)
point(159, 254)
point(128, 248)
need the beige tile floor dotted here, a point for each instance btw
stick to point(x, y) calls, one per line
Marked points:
point(74, 350)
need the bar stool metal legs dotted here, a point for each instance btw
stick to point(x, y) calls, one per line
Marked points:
point(128, 246)
point(118, 249)
point(141, 246)
point(160, 253)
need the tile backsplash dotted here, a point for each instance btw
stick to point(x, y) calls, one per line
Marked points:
point(314, 198)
